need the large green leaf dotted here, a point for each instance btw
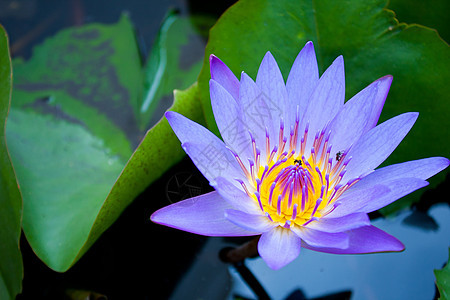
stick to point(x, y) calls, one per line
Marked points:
point(11, 268)
point(174, 62)
point(373, 44)
point(75, 122)
point(443, 280)
point(432, 13)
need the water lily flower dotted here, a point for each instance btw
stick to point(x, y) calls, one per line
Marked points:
point(296, 165)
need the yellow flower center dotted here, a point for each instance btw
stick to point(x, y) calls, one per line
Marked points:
point(290, 189)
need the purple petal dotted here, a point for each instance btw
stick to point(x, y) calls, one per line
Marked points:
point(271, 83)
point(229, 120)
point(367, 239)
point(301, 82)
point(341, 224)
point(398, 188)
point(213, 160)
point(384, 84)
point(422, 169)
point(205, 149)
point(358, 114)
point(204, 215)
point(278, 247)
point(354, 200)
point(187, 130)
point(326, 100)
point(223, 75)
point(256, 223)
point(318, 238)
point(236, 196)
point(377, 144)
point(257, 112)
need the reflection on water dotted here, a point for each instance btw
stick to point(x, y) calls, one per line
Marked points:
point(405, 275)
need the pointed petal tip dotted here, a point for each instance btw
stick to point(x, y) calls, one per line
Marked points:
point(400, 247)
point(245, 77)
point(213, 61)
point(336, 68)
point(158, 216)
point(172, 116)
point(169, 114)
point(387, 77)
point(441, 163)
point(414, 115)
point(154, 217)
point(268, 55)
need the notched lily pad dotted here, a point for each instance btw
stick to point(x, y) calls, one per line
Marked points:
point(373, 44)
point(75, 123)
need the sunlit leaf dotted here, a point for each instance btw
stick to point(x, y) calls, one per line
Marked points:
point(175, 61)
point(373, 44)
point(75, 123)
point(11, 268)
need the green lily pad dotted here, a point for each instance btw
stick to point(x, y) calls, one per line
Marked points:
point(433, 14)
point(11, 267)
point(443, 280)
point(373, 44)
point(77, 134)
point(175, 61)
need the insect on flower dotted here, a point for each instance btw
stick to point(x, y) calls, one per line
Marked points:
point(317, 203)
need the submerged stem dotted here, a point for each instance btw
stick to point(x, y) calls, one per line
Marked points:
point(246, 250)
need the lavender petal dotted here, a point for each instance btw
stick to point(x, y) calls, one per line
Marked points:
point(229, 120)
point(278, 247)
point(318, 238)
point(358, 114)
point(367, 239)
point(255, 223)
point(377, 144)
point(354, 200)
point(334, 225)
point(326, 100)
point(398, 188)
point(207, 151)
point(271, 84)
point(257, 111)
point(223, 75)
point(202, 215)
point(421, 168)
point(236, 196)
point(301, 82)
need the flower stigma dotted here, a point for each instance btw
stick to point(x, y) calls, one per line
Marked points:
point(289, 188)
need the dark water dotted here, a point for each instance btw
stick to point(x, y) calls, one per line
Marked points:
point(405, 275)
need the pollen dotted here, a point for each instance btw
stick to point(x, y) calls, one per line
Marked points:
point(291, 185)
